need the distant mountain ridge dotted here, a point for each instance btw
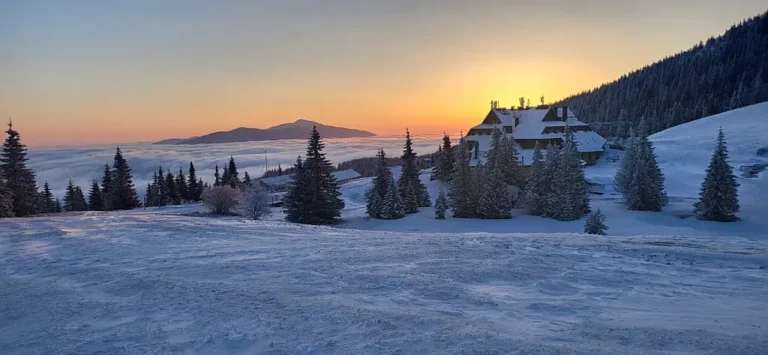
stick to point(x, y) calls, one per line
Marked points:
point(298, 129)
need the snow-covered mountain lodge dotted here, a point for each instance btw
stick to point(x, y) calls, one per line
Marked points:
point(526, 126)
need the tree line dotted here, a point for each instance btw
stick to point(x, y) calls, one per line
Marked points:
point(725, 73)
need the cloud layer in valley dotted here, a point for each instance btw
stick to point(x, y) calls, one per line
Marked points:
point(81, 164)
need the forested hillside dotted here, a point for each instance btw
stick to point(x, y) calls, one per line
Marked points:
point(725, 73)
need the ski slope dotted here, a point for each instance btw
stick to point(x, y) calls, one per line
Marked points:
point(136, 283)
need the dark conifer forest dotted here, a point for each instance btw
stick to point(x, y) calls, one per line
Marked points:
point(721, 74)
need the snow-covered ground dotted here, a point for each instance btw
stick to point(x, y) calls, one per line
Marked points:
point(137, 282)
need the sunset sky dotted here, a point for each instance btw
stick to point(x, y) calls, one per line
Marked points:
point(89, 72)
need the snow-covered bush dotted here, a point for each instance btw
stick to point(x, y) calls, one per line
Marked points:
point(254, 202)
point(221, 199)
point(595, 223)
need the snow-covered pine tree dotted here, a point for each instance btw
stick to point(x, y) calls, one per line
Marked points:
point(18, 178)
point(551, 168)
point(494, 201)
point(374, 197)
point(124, 196)
point(410, 176)
point(536, 188)
point(595, 223)
point(6, 198)
point(624, 174)
point(513, 172)
point(95, 202)
point(445, 160)
point(441, 205)
point(392, 206)
point(173, 190)
point(193, 187)
point(646, 188)
point(232, 176)
point(295, 202)
point(463, 202)
point(569, 183)
point(216, 176)
point(322, 196)
point(107, 188)
point(47, 197)
point(719, 196)
point(181, 186)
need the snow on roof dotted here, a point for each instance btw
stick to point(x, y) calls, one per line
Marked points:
point(281, 180)
point(485, 126)
point(588, 141)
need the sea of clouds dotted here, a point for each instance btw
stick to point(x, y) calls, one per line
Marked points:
point(82, 164)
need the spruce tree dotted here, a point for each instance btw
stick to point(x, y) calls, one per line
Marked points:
point(71, 198)
point(392, 206)
point(494, 202)
point(569, 184)
point(375, 195)
point(124, 196)
point(441, 204)
point(595, 223)
point(149, 195)
point(161, 190)
point(95, 201)
point(512, 171)
point(193, 187)
point(463, 201)
point(47, 197)
point(181, 186)
point(445, 160)
point(80, 203)
point(646, 184)
point(719, 196)
point(18, 178)
point(551, 168)
point(247, 179)
point(409, 184)
point(107, 188)
point(57, 206)
point(324, 204)
point(295, 200)
point(216, 177)
point(536, 188)
point(173, 190)
point(232, 176)
point(6, 198)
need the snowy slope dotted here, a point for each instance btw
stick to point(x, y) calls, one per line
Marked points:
point(134, 282)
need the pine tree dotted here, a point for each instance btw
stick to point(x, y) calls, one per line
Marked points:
point(441, 204)
point(72, 198)
point(463, 200)
point(409, 184)
point(47, 197)
point(225, 176)
point(216, 178)
point(18, 178)
point(445, 160)
point(124, 196)
point(80, 203)
point(181, 186)
point(149, 196)
point(383, 199)
point(719, 196)
point(323, 202)
point(194, 187)
point(95, 201)
point(494, 202)
point(173, 190)
point(512, 171)
point(295, 200)
point(392, 206)
point(161, 190)
point(6, 198)
point(537, 187)
point(57, 206)
point(646, 185)
point(551, 169)
point(232, 176)
point(595, 223)
point(569, 184)
point(107, 188)
point(247, 179)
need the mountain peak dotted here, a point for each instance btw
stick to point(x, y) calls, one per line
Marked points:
point(305, 122)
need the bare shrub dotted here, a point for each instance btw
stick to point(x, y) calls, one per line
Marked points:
point(254, 202)
point(221, 199)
